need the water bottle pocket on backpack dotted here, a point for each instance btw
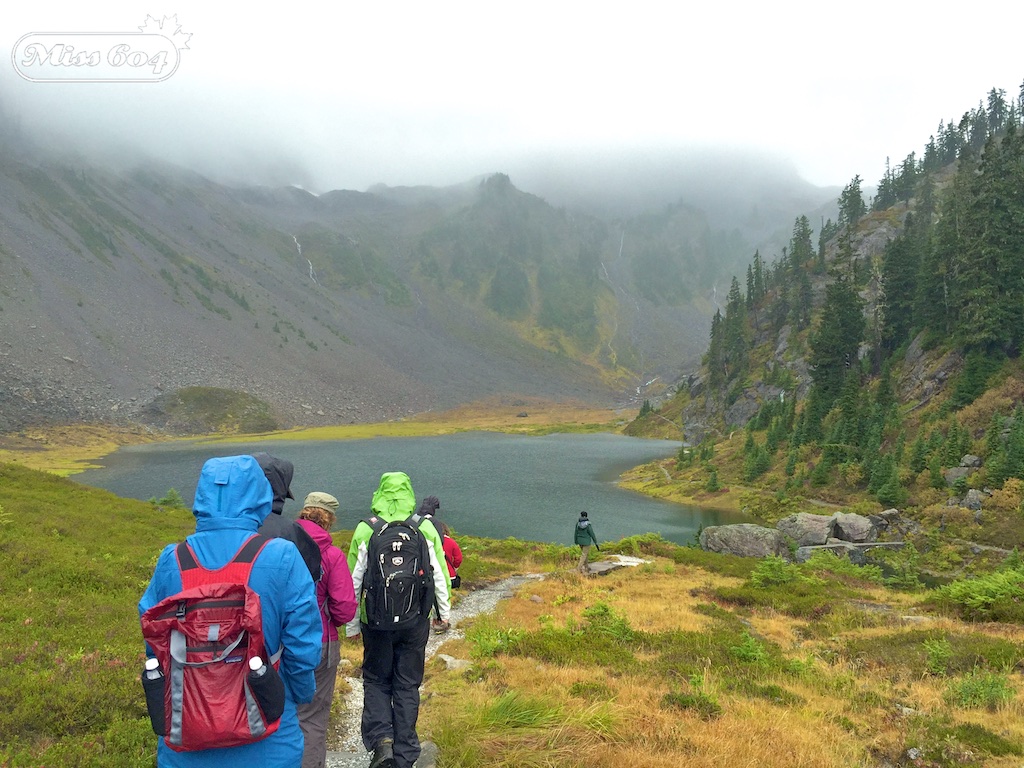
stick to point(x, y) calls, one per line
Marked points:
point(154, 689)
point(267, 689)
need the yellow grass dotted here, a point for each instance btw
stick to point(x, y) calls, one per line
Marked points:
point(846, 716)
point(67, 449)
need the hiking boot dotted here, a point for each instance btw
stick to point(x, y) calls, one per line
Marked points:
point(383, 755)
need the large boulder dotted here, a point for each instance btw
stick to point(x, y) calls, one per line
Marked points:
point(807, 530)
point(855, 528)
point(744, 539)
point(973, 499)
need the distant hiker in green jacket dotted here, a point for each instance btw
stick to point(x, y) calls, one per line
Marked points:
point(585, 537)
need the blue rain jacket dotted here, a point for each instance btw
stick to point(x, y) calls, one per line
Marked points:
point(232, 499)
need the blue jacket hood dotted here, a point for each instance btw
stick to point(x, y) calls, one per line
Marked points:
point(232, 490)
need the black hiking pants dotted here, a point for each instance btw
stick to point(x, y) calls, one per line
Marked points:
point(392, 674)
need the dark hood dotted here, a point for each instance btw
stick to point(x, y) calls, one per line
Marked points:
point(429, 506)
point(279, 473)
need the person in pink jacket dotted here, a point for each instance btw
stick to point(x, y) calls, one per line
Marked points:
point(337, 600)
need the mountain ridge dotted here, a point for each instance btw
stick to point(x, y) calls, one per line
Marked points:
point(119, 286)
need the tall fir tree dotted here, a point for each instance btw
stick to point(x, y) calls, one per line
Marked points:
point(833, 347)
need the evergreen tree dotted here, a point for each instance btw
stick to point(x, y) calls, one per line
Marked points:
point(905, 181)
point(997, 110)
point(714, 358)
point(1013, 465)
point(712, 485)
point(800, 248)
point(989, 273)
point(885, 197)
point(918, 455)
point(901, 264)
point(759, 278)
point(828, 231)
point(735, 346)
point(851, 204)
point(937, 298)
point(833, 347)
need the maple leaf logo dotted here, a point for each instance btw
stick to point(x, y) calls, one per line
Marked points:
point(169, 27)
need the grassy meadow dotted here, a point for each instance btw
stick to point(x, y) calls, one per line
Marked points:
point(693, 659)
point(696, 659)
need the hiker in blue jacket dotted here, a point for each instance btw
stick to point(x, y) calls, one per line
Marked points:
point(232, 499)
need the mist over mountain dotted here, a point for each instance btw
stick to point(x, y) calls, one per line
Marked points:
point(124, 278)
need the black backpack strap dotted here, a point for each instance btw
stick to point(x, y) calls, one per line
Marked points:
point(376, 523)
point(186, 559)
point(250, 549)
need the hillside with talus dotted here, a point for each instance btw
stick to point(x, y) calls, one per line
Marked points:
point(123, 286)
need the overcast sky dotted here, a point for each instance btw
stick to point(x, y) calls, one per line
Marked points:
point(437, 92)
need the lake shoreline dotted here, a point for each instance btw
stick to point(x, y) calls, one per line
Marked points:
point(69, 449)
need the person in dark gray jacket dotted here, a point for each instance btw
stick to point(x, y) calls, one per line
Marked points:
point(279, 474)
point(584, 537)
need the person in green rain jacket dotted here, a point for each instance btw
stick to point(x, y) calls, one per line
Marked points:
point(393, 660)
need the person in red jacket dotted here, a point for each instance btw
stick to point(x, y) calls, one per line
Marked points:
point(337, 600)
point(452, 554)
point(429, 508)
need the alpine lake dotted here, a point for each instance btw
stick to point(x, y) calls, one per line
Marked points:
point(490, 484)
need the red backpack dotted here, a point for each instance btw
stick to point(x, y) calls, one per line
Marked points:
point(204, 638)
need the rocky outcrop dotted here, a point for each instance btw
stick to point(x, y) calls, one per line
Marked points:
point(807, 529)
point(924, 374)
point(845, 534)
point(854, 528)
point(745, 540)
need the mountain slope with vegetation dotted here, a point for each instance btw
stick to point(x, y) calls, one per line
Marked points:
point(882, 368)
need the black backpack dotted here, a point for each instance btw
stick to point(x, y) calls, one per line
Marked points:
point(398, 587)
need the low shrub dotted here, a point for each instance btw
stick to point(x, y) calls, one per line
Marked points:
point(704, 706)
point(980, 690)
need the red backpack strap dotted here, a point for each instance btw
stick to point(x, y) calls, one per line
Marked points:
point(237, 570)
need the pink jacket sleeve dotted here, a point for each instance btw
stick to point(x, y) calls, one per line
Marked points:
point(342, 605)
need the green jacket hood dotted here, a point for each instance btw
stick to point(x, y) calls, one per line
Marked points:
point(394, 499)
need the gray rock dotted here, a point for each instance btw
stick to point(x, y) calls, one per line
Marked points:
point(743, 410)
point(807, 529)
point(453, 664)
point(851, 527)
point(973, 499)
point(970, 460)
point(956, 473)
point(744, 539)
point(845, 549)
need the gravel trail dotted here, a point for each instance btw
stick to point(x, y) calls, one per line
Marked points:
point(346, 741)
